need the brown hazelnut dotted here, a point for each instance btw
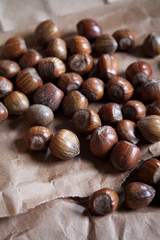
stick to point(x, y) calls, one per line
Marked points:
point(16, 103)
point(103, 201)
point(149, 127)
point(154, 108)
point(65, 145)
point(107, 66)
point(14, 48)
point(110, 113)
point(37, 138)
point(138, 195)
point(51, 68)
point(151, 44)
point(28, 81)
point(30, 58)
point(149, 91)
point(93, 89)
point(124, 155)
point(102, 141)
point(149, 171)
point(89, 28)
point(9, 69)
point(119, 89)
point(105, 44)
point(134, 110)
point(79, 44)
point(3, 113)
point(86, 120)
point(6, 87)
point(49, 95)
point(80, 63)
point(69, 82)
point(57, 48)
point(138, 73)
point(46, 31)
point(127, 130)
point(39, 115)
point(73, 102)
point(125, 39)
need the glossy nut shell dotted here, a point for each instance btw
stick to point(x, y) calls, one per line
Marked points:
point(57, 48)
point(134, 110)
point(150, 91)
point(151, 45)
point(9, 69)
point(125, 39)
point(103, 201)
point(65, 145)
point(105, 44)
point(3, 113)
point(30, 58)
point(79, 44)
point(154, 108)
point(6, 87)
point(110, 113)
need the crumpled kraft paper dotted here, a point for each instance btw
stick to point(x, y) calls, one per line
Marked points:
point(29, 179)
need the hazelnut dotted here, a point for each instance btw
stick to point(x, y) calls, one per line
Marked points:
point(14, 48)
point(149, 91)
point(89, 28)
point(134, 110)
point(28, 81)
point(124, 155)
point(79, 44)
point(39, 115)
point(151, 44)
point(119, 89)
point(86, 120)
point(138, 73)
point(105, 44)
point(80, 63)
point(154, 108)
point(3, 113)
point(9, 69)
point(37, 138)
point(73, 102)
point(49, 95)
point(125, 39)
point(51, 68)
point(103, 201)
point(65, 145)
point(30, 58)
point(110, 113)
point(6, 87)
point(69, 82)
point(57, 48)
point(138, 195)
point(102, 141)
point(16, 103)
point(93, 89)
point(46, 31)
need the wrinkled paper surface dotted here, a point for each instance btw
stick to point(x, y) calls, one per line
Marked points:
point(30, 179)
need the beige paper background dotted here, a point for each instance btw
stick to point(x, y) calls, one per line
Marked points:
point(27, 180)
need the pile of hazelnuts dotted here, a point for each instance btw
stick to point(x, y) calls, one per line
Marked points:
point(73, 78)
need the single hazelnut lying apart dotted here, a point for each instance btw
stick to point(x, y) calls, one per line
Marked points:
point(103, 201)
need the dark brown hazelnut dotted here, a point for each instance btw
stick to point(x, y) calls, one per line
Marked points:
point(51, 68)
point(93, 89)
point(86, 120)
point(102, 141)
point(46, 31)
point(69, 82)
point(134, 110)
point(57, 48)
point(28, 81)
point(105, 44)
point(107, 66)
point(119, 89)
point(3, 113)
point(124, 155)
point(73, 102)
point(9, 69)
point(80, 63)
point(110, 113)
point(138, 73)
point(149, 91)
point(39, 115)
point(6, 87)
point(151, 44)
point(89, 28)
point(103, 201)
point(125, 39)
point(154, 108)
point(49, 95)
point(79, 44)
point(14, 48)
point(138, 195)
point(30, 58)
